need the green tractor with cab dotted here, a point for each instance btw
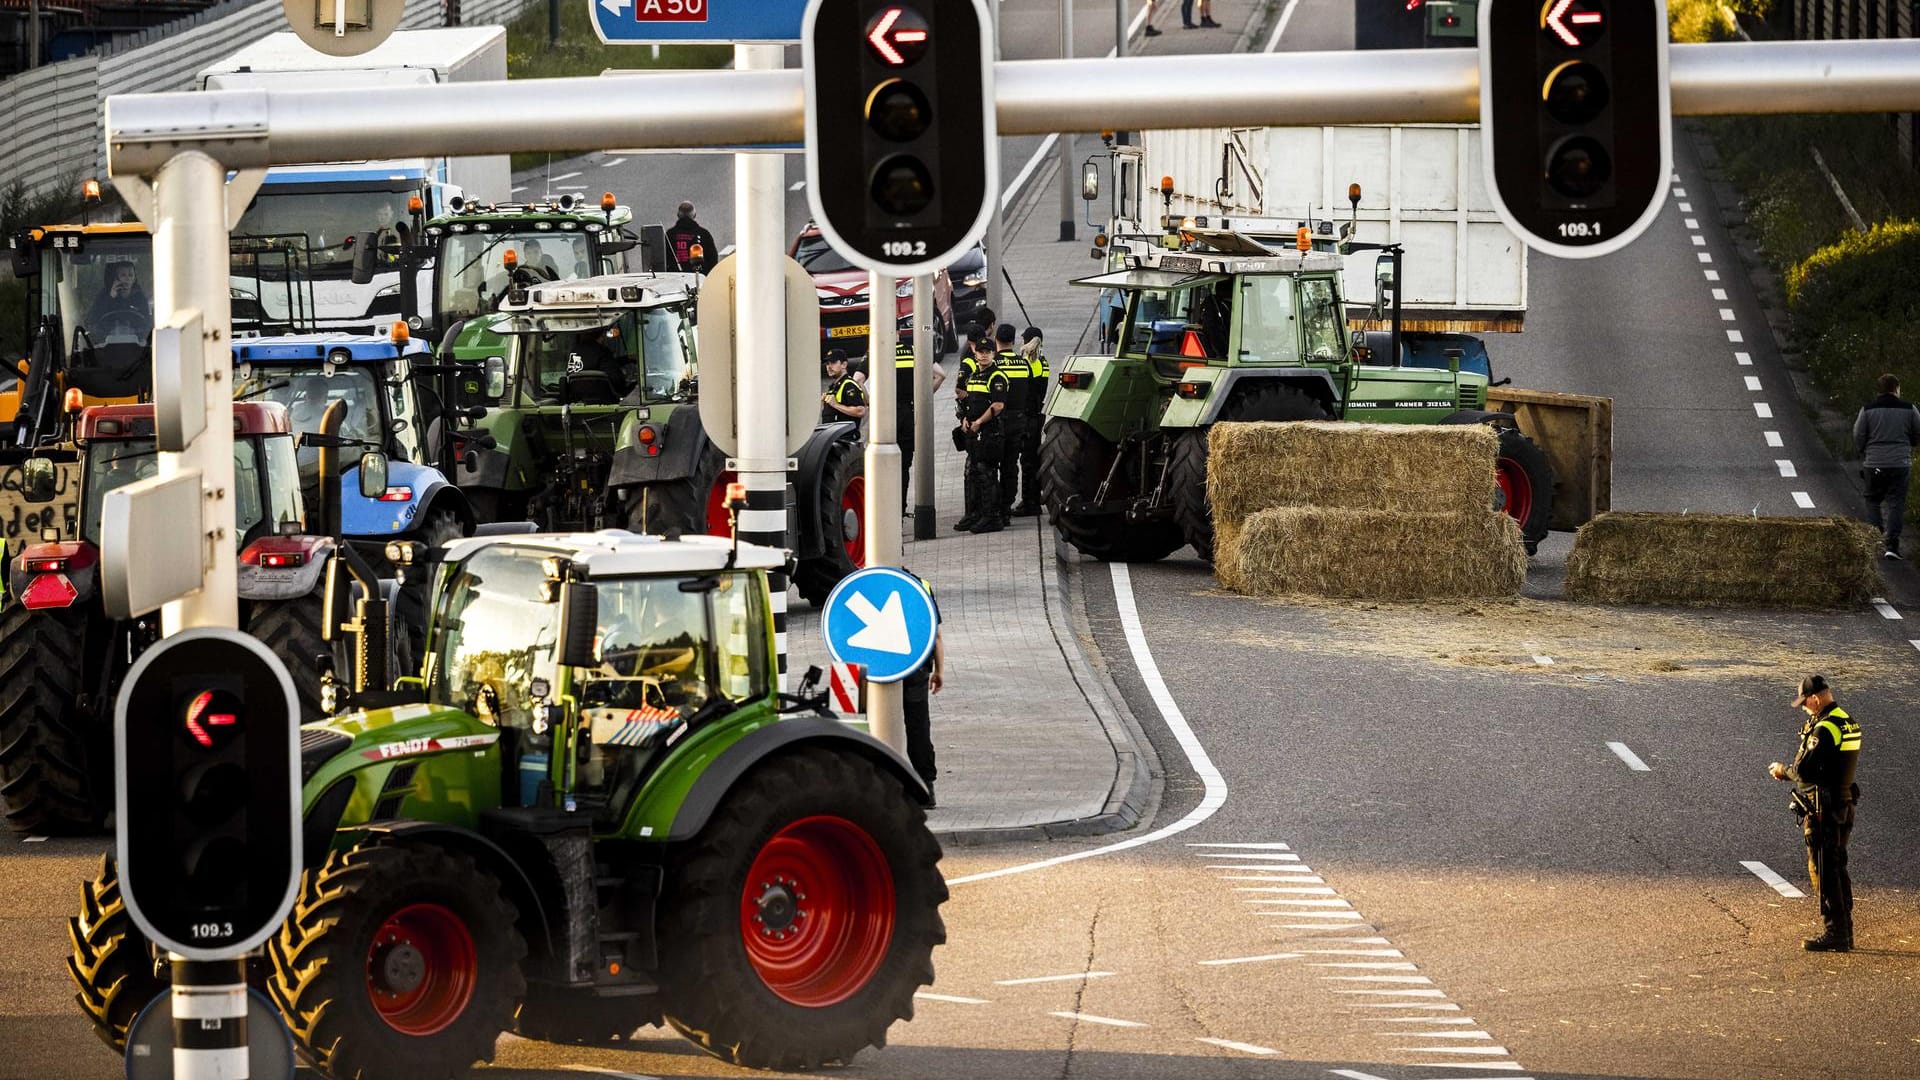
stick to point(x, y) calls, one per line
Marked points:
point(1213, 325)
point(590, 811)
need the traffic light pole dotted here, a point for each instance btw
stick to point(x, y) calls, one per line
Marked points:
point(996, 244)
point(923, 407)
point(760, 328)
point(1068, 213)
point(886, 715)
point(209, 999)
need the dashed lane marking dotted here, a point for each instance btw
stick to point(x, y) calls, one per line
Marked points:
point(1803, 500)
point(1773, 439)
point(1356, 952)
point(1342, 916)
point(1367, 965)
point(1320, 926)
point(518, 190)
point(1442, 1006)
point(1280, 873)
point(1699, 241)
point(1229, 1044)
point(1092, 1019)
point(1334, 902)
point(1743, 359)
point(1686, 208)
point(562, 176)
point(1396, 980)
point(1693, 223)
point(1726, 314)
point(1397, 993)
point(1719, 294)
point(611, 162)
point(1490, 1051)
point(1241, 866)
point(1712, 275)
point(1735, 336)
point(1703, 256)
point(1276, 856)
point(1543, 660)
point(34, 840)
point(1763, 410)
point(1786, 467)
point(1915, 642)
point(1280, 28)
point(951, 999)
point(1296, 890)
point(1885, 609)
point(797, 185)
point(1679, 193)
point(1780, 885)
point(1753, 383)
point(1355, 1074)
point(1054, 978)
point(1509, 1065)
point(1231, 960)
point(616, 1074)
point(1632, 759)
point(1425, 1020)
point(1249, 847)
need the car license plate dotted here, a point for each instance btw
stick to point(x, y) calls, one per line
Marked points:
point(847, 331)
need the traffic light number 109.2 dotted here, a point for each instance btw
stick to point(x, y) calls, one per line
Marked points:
point(904, 249)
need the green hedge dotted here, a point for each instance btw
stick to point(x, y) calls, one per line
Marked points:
point(1856, 309)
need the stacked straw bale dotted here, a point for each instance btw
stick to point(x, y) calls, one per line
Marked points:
point(1724, 560)
point(1382, 511)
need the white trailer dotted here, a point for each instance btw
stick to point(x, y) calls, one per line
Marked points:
point(1420, 186)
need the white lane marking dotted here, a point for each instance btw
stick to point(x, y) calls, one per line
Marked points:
point(1425, 1020)
point(611, 162)
point(1335, 902)
point(1719, 294)
point(1355, 1074)
point(1054, 978)
point(1229, 1044)
point(562, 176)
point(1542, 660)
point(1215, 785)
point(1753, 382)
point(1743, 359)
point(1510, 1065)
point(1786, 467)
point(1693, 223)
point(1250, 959)
point(34, 840)
point(1243, 866)
point(1703, 256)
point(1686, 208)
point(1349, 916)
point(1490, 1051)
point(1712, 275)
point(1436, 1034)
point(617, 1075)
point(1355, 952)
point(1699, 241)
point(1276, 856)
point(1398, 980)
point(1726, 314)
point(1780, 885)
point(1319, 926)
point(1763, 410)
point(1257, 847)
point(1885, 609)
point(1280, 873)
point(1679, 193)
point(951, 999)
point(1437, 1007)
point(1297, 890)
point(1773, 439)
point(1397, 993)
point(1351, 941)
point(1279, 29)
point(797, 185)
point(1092, 1019)
point(569, 187)
point(1632, 759)
point(1803, 500)
point(1915, 642)
point(518, 190)
point(1735, 336)
point(1367, 965)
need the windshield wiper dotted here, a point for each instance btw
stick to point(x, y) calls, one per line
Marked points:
point(266, 389)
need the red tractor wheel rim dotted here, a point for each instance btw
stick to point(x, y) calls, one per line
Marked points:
point(817, 911)
point(717, 505)
point(421, 969)
point(853, 520)
point(1516, 490)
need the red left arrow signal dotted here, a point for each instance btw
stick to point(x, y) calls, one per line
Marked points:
point(1559, 18)
point(898, 36)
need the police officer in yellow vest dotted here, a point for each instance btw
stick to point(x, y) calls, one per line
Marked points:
point(844, 399)
point(1038, 375)
point(1823, 796)
point(1014, 421)
point(903, 402)
point(983, 418)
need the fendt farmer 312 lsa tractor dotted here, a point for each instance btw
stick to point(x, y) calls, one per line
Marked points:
point(598, 814)
point(594, 420)
point(62, 656)
point(1225, 327)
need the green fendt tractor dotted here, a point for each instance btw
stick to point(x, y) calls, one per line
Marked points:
point(1224, 327)
point(596, 814)
point(591, 391)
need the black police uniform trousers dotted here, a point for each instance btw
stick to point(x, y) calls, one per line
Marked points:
point(904, 438)
point(1827, 865)
point(1014, 431)
point(985, 454)
point(915, 693)
point(1030, 460)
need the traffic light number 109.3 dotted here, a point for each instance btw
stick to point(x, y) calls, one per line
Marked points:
point(1580, 228)
point(212, 931)
point(903, 249)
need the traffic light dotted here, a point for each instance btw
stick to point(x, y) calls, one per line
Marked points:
point(207, 769)
point(902, 159)
point(1575, 119)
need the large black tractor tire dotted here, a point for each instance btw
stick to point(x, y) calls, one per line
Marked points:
point(837, 862)
point(1074, 459)
point(841, 523)
point(47, 784)
point(675, 508)
point(111, 965)
point(399, 962)
point(1524, 487)
point(558, 1016)
point(291, 630)
point(1187, 459)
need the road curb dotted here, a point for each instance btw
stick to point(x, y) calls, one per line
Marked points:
point(1136, 766)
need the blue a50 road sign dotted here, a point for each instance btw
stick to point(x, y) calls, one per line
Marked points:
point(642, 22)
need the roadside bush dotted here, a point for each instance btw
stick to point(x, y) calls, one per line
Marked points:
point(1855, 309)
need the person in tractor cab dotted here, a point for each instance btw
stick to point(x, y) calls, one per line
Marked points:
point(121, 300)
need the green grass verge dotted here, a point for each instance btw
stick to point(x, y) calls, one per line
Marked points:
point(577, 52)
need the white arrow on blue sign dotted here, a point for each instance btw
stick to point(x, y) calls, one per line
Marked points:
point(645, 22)
point(883, 619)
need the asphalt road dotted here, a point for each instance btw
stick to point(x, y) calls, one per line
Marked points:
point(1392, 843)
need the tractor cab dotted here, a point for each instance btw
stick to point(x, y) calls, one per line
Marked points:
point(624, 339)
point(482, 252)
point(90, 316)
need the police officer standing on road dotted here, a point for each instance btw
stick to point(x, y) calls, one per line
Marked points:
point(844, 399)
point(1013, 422)
point(903, 402)
point(982, 419)
point(1823, 796)
point(1037, 375)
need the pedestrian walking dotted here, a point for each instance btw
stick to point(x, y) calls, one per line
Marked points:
point(1885, 433)
point(1186, 16)
point(1824, 793)
point(915, 693)
point(1013, 422)
point(843, 399)
point(1151, 31)
point(982, 412)
point(693, 246)
point(903, 367)
point(1206, 15)
point(1038, 376)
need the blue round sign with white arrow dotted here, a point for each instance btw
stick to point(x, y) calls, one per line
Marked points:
point(883, 619)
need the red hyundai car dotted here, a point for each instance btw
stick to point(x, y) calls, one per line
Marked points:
point(844, 300)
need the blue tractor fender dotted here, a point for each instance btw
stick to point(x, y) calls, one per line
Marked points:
point(413, 492)
point(810, 477)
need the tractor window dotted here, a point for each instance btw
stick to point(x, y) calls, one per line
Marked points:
point(111, 465)
point(475, 274)
point(306, 391)
point(666, 349)
point(103, 292)
point(1188, 322)
point(284, 503)
point(494, 636)
point(1323, 324)
point(740, 610)
point(589, 346)
point(249, 509)
point(1269, 333)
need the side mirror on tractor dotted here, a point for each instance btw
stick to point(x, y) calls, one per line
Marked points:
point(373, 474)
point(366, 255)
point(579, 623)
point(1090, 181)
point(37, 480)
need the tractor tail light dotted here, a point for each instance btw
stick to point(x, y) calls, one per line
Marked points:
point(283, 560)
point(397, 494)
point(1194, 391)
point(1075, 380)
point(649, 439)
point(46, 565)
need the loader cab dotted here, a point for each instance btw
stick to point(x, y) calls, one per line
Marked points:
point(94, 296)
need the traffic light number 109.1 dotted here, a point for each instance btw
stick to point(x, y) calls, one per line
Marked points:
point(1580, 228)
point(904, 249)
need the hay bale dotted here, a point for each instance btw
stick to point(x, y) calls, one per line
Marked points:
point(1380, 554)
point(1411, 468)
point(1724, 560)
point(1226, 553)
